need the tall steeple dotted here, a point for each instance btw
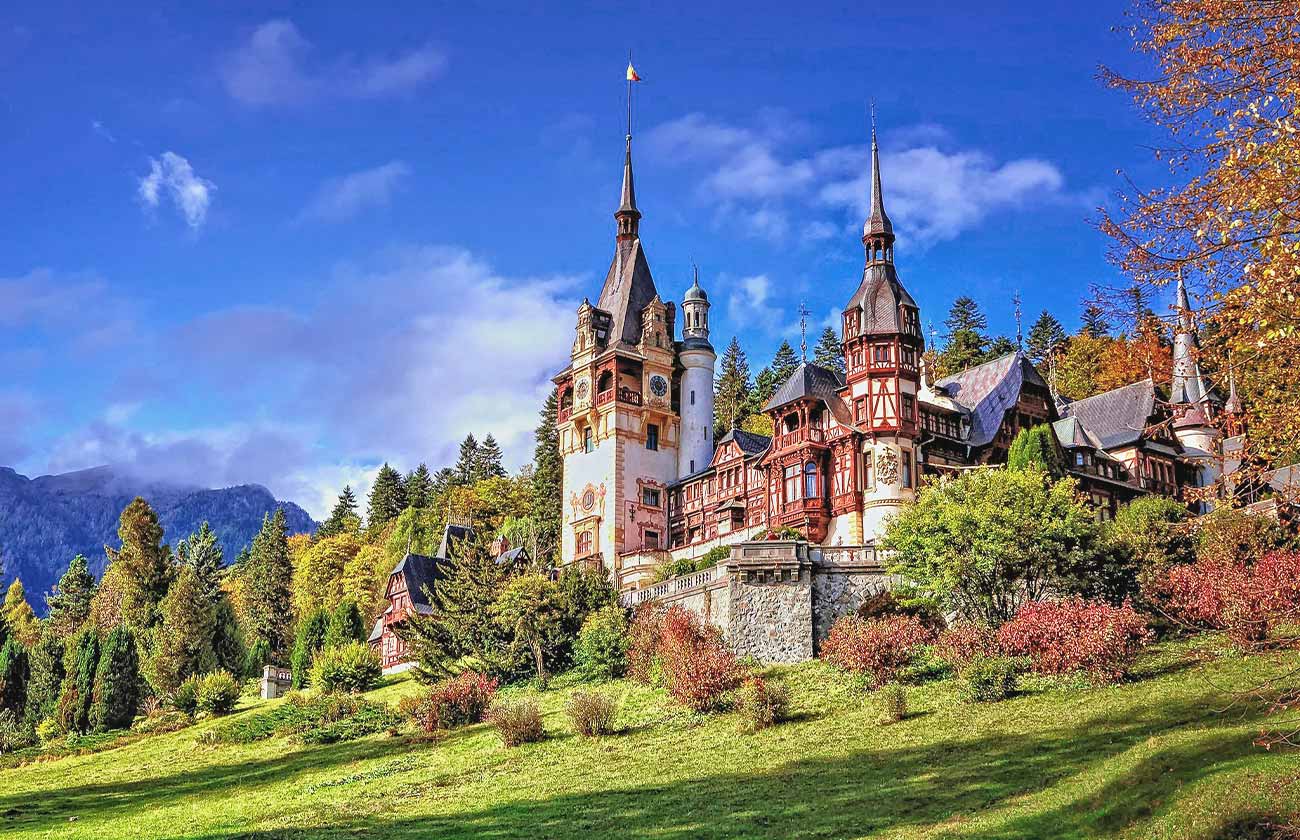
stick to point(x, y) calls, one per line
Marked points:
point(878, 232)
point(627, 215)
point(1188, 387)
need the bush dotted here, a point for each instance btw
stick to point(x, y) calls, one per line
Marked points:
point(602, 643)
point(518, 722)
point(643, 643)
point(1230, 536)
point(876, 649)
point(186, 696)
point(459, 701)
point(894, 699)
point(309, 639)
point(988, 678)
point(1245, 601)
point(14, 733)
point(959, 646)
point(697, 666)
point(48, 730)
point(592, 713)
point(352, 667)
point(761, 704)
point(1061, 637)
point(217, 693)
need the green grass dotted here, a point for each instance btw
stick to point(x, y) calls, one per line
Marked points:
point(1162, 756)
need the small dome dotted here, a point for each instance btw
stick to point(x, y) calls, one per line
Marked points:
point(696, 293)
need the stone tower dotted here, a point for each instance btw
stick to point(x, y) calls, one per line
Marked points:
point(1195, 407)
point(882, 352)
point(618, 420)
point(696, 389)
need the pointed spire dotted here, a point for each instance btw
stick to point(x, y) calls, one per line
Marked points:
point(878, 232)
point(1233, 405)
point(627, 214)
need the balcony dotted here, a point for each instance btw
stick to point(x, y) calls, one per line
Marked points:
point(623, 394)
point(800, 436)
point(564, 414)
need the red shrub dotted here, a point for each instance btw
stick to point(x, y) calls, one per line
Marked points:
point(459, 701)
point(696, 663)
point(643, 642)
point(1244, 601)
point(961, 645)
point(878, 648)
point(1075, 635)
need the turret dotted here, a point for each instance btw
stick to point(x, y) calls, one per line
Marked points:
point(1193, 405)
point(698, 359)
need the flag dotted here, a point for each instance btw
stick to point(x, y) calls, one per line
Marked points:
point(631, 73)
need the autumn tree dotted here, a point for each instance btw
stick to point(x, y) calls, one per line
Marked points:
point(20, 616)
point(144, 565)
point(829, 353)
point(731, 393)
point(318, 575)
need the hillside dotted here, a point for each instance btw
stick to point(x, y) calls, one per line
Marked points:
point(46, 521)
point(1158, 757)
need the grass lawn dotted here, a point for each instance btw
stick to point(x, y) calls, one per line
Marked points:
point(1158, 757)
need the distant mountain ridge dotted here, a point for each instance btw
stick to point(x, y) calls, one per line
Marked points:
point(46, 521)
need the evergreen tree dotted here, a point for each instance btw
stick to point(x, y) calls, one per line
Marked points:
point(14, 673)
point(202, 552)
point(419, 487)
point(547, 508)
point(967, 343)
point(467, 461)
point(1037, 447)
point(116, 692)
point(346, 625)
point(998, 348)
point(965, 315)
point(387, 498)
point(144, 563)
point(343, 518)
point(309, 639)
point(829, 353)
point(1095, 324)
point(731, 401)
point(765, 385)
point(184, 646)
point(445, 478)
point(19, 615)
point(79, 684)
point(489, 460)
point(784, 362)
point(1046, 336)
point(227, 640)
point(270, 579)
point(47, 674)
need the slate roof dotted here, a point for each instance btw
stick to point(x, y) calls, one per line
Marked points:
point(628, 289)
point(420, 571)
point(376, 632)
point(987, 391)
point(879, 295)
point(512, 556)
point(749, 443)
point(1118, 417)
point(1071, 433)
point(453, 534)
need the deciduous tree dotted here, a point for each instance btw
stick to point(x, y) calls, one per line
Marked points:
point(20, 616)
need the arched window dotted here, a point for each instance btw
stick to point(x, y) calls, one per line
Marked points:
point(810, 480)
point(566, 399)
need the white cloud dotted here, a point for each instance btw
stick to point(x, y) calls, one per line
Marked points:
point(17, 413)
point(749, 301)
point(342, 198)
point(173, 177)
point(932, 192)
point(276, 66)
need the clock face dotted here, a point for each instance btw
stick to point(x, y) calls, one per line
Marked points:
point(583, 387)
point(588, 499)
point(658, 386)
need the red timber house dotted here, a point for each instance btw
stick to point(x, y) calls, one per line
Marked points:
point(407, 593)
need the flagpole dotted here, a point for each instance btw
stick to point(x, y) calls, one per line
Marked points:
point(629, 97)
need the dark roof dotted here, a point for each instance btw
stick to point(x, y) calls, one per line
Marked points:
point(749, 443)
point(879, 295)
point(377, 631)
point(453, 534)
point(1118, 417)
point(808, 381)
point(878, 223)
point(989, 390)
point(420, 571)
point(628, 289)
point(512, 556)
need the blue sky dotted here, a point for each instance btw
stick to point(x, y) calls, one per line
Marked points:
point(282, 242)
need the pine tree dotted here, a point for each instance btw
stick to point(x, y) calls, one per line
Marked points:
point(765, 385)
point(227, 639)
point(309, 639)
point(184, 646)
point(784, 362)
point(443, 480)
point(489, 460)
point(547, 508)
point(387, 498)
point(419, 487)
point(998, 348)
point(14, 673)
point(47, 674)
point(345, 626)
point(467, 461)
point(116, 692)
point(343, 518)
point(731, 401)
point(1036, 447)
point(79, 684)
point(1046, 336)
point(829, 353)
point(1095, 324)
point(202, 552)
point(965, 315)
point(270, 578)
point(967, 344)
point(144, 563)
point(19, 615)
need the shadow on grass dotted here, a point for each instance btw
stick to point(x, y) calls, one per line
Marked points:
point(868, 791)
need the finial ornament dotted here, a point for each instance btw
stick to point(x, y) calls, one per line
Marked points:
point(803, 331)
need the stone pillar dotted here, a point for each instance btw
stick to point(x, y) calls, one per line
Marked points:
point(770, 591)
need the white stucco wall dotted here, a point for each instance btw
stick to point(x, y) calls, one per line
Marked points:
point(697, 418)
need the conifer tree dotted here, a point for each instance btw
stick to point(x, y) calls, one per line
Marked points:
point(1036, 447)
point(967, 345)
point(443, 480)
point(19, 615)
point(467, 461)
point(419, 487)
point(343, 517)
point(345, 626)
point(1046, 336)
point(227, 639)
point(184, 646)
point(79, 684)
point(547, 508)
point(144, 564)
point(731, 401)
point(202, 552)
point(47, 674)
point(998, 348)
point(829, 353)
point(270, 579)
point(1095, 324)
point(765, 385)
point(489, 460)
point(309, 639)
point(387, 498)
point(116, 692)
point(14, 673)
point(784, 362)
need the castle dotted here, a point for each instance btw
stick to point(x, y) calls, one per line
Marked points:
point(645, 483)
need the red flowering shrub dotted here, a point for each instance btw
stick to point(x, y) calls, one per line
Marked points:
point(1062, 637)
point(962, 645)
point(643, 642)
point(877, 648)
point(1244, 601)
point(459, 701)
point(696, 663)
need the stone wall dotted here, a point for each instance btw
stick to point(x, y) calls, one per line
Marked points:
point(843, 580)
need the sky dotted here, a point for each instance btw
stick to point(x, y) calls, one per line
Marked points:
point(284, 242)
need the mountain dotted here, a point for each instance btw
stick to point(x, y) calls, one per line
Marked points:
point(46, 521)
